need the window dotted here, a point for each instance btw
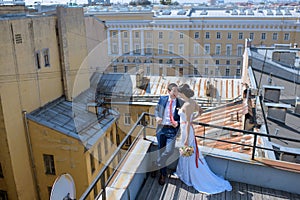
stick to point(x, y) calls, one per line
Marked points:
point(46, 57)
point(251, 36)
point(206, 49)
point(127, 118)
point(239, 50)
point(160, 35)
point(149, 48)
point(149, 35)
point(49, 164)
point(263, 36)
point(228, 50)
point(205, 71)
point(238, 72)
point(181, 49)
point(37, 60)
point(92, 162)
point(171, 48)
point(3, 195)
point(275, 36)
point(206, 35)
point(148, 70)
point(114, 48)
point(196, 71)
point(181, 35)
point(217, 72)
point(229, 35)
point(1, 172)
point(180, 71)
point(196, 49)
point(286, 36)
point(115, 69)
point(240, 36)
point(125, 69)
point(137, 49)
point(206, 62)
point(218, 35)
point(125, 34)
point(136, 34)
point(114, 34)
point(238, 63)
point(181, 62)
point(196, 36)
point(105, 145)
point(217, 62)
point(99, 153)
point(171, 35)
point(160, 48)
point(218, 49)
point(126, 48)
point(152, 121)
point(227, 72)
point(227, 62)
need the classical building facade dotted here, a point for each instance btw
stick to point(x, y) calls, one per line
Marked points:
point(191, 41)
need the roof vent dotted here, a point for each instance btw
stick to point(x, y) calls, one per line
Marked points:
point(269, 12)
point(166, 12)
point(278, 12)
point(250, 12)
point(277, 111)
point(203, 12)
point(272, 93)
point(181, 12)
point(234, 12)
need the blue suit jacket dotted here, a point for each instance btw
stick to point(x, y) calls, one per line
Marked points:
point(161, 105)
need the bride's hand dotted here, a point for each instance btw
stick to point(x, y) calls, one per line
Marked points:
point(186, 143)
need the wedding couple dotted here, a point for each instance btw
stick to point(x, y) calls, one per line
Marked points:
point(175, 114)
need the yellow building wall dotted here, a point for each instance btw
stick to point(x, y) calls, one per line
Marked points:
point(73, 49)
point(97, 57)
point(7, 183)
point(24, 87)
point(69, 157)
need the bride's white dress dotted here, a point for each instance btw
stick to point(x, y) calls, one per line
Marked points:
point(201, 178)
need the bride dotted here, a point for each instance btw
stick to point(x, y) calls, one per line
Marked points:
point(193, 170)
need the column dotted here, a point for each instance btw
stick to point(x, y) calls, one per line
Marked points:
point(142, 43)
point(120, 42)
point(131, 44)
point(108, 42)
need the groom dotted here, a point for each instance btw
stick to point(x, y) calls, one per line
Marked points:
point(168, 121)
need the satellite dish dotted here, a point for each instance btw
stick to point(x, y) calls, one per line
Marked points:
point(63, 188)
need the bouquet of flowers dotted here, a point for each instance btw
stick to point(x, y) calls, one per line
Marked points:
point(186, 151)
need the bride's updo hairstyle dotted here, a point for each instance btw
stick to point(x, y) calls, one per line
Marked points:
point(186, 90)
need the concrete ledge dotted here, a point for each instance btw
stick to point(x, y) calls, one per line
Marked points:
point(128, 180)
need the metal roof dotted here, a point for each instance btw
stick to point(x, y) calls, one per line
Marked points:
point(125, 84)
point(73, 119)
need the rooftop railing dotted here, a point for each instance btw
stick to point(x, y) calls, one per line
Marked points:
point(139, 130)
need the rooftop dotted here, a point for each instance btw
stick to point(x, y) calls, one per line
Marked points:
point(175, 189)
point(73, 119)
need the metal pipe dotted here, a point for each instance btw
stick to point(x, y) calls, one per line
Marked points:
point(35, 180)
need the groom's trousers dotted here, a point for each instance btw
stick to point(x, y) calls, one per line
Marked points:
point(166, 138)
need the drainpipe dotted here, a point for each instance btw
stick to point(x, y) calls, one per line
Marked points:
point(35, 180)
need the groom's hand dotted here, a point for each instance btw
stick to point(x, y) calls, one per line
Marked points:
point(158, 120)
point(175, 124)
